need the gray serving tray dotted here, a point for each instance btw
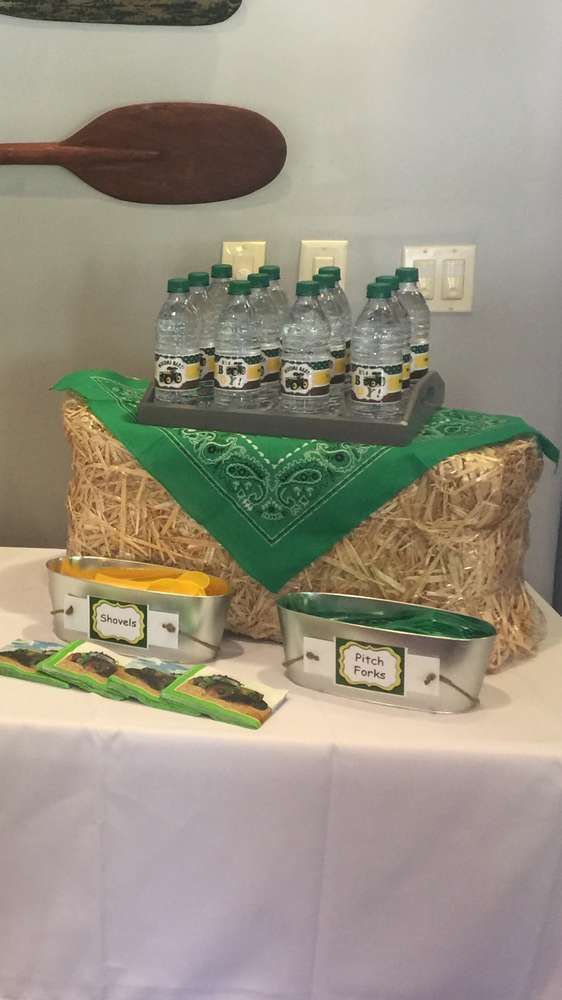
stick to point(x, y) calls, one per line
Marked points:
point(424, 398)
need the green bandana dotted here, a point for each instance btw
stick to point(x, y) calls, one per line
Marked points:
point(277, 504)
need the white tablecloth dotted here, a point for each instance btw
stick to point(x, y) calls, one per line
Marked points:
point(343, 852)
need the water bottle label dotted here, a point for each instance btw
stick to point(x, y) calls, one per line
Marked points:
point(271, 363)
point(207, 364)
point(173, 372)
point(420, 360)
point(306, 378)
point(241, 372)
point(348, 358)
point(406, 365)
point(338, 364)
point(376, 384)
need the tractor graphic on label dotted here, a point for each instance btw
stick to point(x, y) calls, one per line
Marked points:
point(297, 380)
point(231, 373)
point(169, 376)
point(372, 381)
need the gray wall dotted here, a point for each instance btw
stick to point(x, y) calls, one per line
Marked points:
point(417, 121)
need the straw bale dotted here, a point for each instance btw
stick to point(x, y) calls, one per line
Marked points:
point(456, 538)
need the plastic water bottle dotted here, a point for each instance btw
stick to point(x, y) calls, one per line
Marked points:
point(339, 334)
point(306, 364)
point(217, 297)
point(199, 298)
point(343, 302)
point(177, 358)
point(340, 295)
point(401, 317)
point(376, 358)
point(238, 356)
point(420, 320)
point(273, 272)
point(269, 327)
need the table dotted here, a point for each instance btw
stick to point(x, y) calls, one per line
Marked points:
point(343, 852)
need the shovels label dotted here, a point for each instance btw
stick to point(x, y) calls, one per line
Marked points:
point(115, 622)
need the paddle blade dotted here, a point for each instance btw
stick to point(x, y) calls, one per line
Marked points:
point(164, 12)
point(207, 152)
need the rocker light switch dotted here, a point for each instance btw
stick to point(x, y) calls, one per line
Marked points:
point(318, 253)
point(452, 279)
point(446, 275)
point(245, 257)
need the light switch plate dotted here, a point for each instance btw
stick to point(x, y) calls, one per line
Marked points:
point(245, 256)
point(318, 253)
point(446, 275)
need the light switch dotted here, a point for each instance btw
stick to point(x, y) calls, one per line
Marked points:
point(446, 275)
point(426, 267)
point(242, 266)
point(320, 253)
point(245, 256)
point(319, 262)
point(452, 279)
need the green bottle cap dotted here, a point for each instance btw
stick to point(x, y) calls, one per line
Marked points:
point(331, 269)
point(221, 271)
point(178, 285)
point(272, 270)
point(198, 279)
point(239, 288)
point(307, 288)
point(378, 290)
point(259, 280)
point(389, 279)
point(325, 280)
point(407, 274)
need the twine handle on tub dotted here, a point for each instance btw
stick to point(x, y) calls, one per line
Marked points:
point(169, 626)
point(427, 680)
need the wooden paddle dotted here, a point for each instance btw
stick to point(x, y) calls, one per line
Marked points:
point(190, 12)
point(166, 154)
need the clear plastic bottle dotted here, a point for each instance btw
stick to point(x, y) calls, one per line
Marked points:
point(401, 316)
point(199, 298)
point(341, 297)
point(273, 272)
point(269, 326)
point(340, 330)
point(238, 355)
point(420, 320)
point(345, 307)
point(306, 364)
point(376, 358)
point(217, 297)
point(177, 359)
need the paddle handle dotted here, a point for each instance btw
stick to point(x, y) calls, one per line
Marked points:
point(67, 156)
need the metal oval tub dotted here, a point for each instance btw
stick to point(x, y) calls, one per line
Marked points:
point(401, 669)
point(183, 628)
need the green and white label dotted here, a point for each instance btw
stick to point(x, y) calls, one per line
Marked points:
point(271, 362)
point(406, 365)
point(239, 372)
point(113, 621)
point(374, 668)
point(420, 360)
point(338, 354)
point(372, 384)
point(177, 372)
point(306, 378)
point(207, 364)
